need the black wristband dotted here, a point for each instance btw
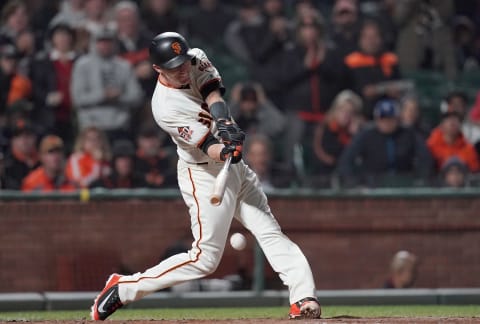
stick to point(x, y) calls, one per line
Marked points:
point(219, 110)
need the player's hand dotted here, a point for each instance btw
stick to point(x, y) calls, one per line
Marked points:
point(230, 133)
point(234, 150)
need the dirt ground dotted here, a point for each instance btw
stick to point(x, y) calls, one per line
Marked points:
point(337, 320)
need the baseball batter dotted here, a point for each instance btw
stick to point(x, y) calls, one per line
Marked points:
point(188, 105)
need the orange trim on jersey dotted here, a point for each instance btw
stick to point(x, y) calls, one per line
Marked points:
point(197, 245)
point(164, 84)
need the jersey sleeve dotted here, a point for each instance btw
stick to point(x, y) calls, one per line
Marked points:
point(206, 76)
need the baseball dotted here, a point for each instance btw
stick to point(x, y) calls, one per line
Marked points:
point(238, 241)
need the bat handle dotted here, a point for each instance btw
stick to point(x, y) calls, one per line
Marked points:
point(220, 183)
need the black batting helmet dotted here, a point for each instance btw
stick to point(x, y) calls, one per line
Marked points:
point(169, 50)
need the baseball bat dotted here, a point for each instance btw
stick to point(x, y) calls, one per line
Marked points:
point(220, 183)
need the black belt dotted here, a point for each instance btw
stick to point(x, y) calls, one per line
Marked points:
point(195, 163)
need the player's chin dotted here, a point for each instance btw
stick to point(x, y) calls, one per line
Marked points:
point(184, 79)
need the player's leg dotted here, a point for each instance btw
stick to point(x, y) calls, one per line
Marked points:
point(210, 226)
point(284, 256)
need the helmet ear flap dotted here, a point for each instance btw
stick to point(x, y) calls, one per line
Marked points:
point(169, 50)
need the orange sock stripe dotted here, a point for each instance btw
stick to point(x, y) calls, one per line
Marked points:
point(198, 242)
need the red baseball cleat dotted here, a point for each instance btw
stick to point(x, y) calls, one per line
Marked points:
point(305, 308)
point(108, 301)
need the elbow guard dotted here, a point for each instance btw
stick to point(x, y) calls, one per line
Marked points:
point(219, 111)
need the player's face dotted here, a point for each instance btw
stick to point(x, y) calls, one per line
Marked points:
point(178, 76)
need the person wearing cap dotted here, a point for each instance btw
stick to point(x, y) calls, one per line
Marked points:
point(454, 173)
point(51, 74)
point(13, 86)
point(22, 156)
point(50, 176)
point(105, 91)
point(447, 140)
point(385, 151)
point(188, 105)
point(153, 160)
point(124, 174)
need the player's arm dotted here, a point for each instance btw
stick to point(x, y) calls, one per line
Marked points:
point(232, 136)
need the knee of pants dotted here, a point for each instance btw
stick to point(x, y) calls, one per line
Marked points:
point(208, 262)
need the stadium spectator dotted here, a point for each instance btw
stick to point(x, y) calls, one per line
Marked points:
point(13, 86)
point(26, 47)
point(254, 113)
point(41, 14)
point(244, 33)
point(90, 159)
point(345, 24)
point(259, 157)
point(309, 76)
point(467, 51)
point(23, 155)
point(454, 173)
point(161, 16)
point(275, 33)
point(50, 176)
point(96, 16)
point(51, 76)
point(154, 161)
point(133, 42)
point(403, 270)
point(371, 67)
point(204, 23)
point(457, 101)
point(385, 153)
point(410, 115)
point(334, 133)
point(105, 91)
point(447, 140)
point(70, 12)
point(424, 36)
point(14, 20)
point(123, 175)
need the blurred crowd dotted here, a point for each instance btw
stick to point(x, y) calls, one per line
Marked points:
point(320, 87)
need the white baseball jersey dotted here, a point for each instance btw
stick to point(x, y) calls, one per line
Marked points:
point(179, 112)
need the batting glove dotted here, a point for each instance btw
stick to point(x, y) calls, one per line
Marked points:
point(234, 150)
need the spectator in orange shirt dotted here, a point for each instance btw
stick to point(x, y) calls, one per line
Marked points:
point(90, 159)
point(13, 86)
point(372, 67)
point(447, 140)
point(50, 176)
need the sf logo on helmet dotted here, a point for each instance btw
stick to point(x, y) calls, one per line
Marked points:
point(176, 47)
